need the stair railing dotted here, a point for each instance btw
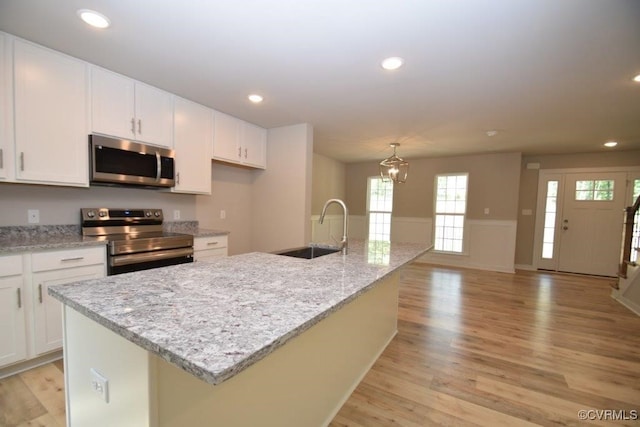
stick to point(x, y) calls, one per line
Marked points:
point(627, 237)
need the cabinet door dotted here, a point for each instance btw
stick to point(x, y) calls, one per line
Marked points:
point(254, 144)
point(154, 115)
point(6, 110)
point(50, 116)
point(13, 343)
point(192, 143)
point(226, 138)
point(47, 310)
point(112, 101)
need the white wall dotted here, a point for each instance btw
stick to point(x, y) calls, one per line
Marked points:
point(281, 194)
point(61, 205)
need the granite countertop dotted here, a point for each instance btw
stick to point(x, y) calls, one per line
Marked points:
point(15, 239)
point(37, 238)
point(215, 319)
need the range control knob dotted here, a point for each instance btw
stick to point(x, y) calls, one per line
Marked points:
point(91, 214)
point(147, 213)
point(157, 214)
point(102, 214)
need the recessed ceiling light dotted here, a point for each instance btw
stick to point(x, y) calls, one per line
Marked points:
point(392, 63)
point(255, 98)
point(610, 144)
point(93, 18)
point(492, 133)
point(637, 78)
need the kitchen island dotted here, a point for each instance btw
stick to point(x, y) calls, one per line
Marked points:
point(252, 339)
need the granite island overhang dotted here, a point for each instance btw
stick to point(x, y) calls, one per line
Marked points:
point(287, 338)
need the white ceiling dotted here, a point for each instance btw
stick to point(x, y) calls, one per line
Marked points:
point(551, 76)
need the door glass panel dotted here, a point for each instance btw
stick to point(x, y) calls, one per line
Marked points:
point(599, 190)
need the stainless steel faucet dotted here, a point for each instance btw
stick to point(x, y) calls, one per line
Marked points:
point(344, 243)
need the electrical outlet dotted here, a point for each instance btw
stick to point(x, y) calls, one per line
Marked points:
point(33, 216)
point(223, 214)
point(176, 214)
point(99, 384)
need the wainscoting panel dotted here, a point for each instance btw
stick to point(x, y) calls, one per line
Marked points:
point(490, 243)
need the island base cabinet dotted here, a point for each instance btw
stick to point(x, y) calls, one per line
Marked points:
point(302, 383)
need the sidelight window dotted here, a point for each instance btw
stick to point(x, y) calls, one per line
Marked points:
point(550, 211)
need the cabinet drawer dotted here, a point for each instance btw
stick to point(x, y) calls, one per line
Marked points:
point(43, 261)
point(10, 265)
point(213, 242)
point(209, 254)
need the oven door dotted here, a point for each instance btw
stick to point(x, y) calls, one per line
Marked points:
point(119, 161)
point(119, 264)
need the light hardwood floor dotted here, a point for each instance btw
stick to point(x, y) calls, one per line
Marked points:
point(473, 348)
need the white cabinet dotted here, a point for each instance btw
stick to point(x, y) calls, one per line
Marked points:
point(254, 145)
point(50, 116)
point(56, 268)
point(126, 108)
point(209, 248)
point(6, 109)
point(13, 343)
point(193, 124)
point(239, 142)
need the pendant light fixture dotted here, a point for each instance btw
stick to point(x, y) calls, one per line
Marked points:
point(394, 168)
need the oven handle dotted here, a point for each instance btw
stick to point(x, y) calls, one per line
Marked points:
point(119, 260)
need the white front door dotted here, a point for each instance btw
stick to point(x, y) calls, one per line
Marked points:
point(580, 229)
point(591, 223)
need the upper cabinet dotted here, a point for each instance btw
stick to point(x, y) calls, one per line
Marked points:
point(237, 141)
point(6, 109)
point(50, 116)
point(125, 108)
point(192, 144)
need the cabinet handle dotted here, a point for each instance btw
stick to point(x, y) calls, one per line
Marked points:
point(158, 166)
point(78, 258)
point(1, 159)
point(178, 178)
point(19, 298)
point(40, 293)
point(245, 153)
point(22, 161)
point(133, 125)
point(211, 243)
point(140, 126)
point(240, 152)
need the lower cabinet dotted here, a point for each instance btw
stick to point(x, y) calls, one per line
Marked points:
point(13, 340)
point(30, 319)
point(209, 248)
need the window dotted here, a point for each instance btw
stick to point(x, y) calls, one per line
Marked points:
point(379, 207)
point(450, 209)
point(599, 190)
point(549, 219)
point(635, 240)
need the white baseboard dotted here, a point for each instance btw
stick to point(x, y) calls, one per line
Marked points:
point(526, 267)
point(615, 294)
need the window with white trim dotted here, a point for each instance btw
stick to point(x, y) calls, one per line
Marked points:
point(635, 240)
point(379, 207)
point(450, 210)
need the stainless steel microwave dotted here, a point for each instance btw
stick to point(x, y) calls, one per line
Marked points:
point(119, 161)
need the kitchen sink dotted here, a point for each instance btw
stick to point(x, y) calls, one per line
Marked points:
point(308, 252)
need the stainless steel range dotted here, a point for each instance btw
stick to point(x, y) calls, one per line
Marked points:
point(135, 239)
